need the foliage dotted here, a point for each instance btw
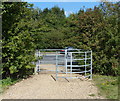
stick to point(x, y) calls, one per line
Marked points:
point(98, 31)
point(49, 22)
point(26, 28)
point(18, 44)
point(5, 83)
point(107, 85)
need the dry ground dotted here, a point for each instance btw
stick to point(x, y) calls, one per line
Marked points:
point(43, 86)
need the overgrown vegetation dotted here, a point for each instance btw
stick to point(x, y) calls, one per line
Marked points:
point(18, 43)
point(95, 29)
point(26, 29)
point(5, 83)
point(107, 85)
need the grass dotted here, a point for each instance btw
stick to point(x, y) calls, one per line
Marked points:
point(107, 85)
point(5, 83)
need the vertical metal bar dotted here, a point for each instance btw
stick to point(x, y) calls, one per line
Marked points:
point(56, 65)
point(35, 69)
point(39, 61)
point(91, 65)
point(85, 62)
point(66, 60)
point(38, 53)
point(71, 63)
point(39, 65)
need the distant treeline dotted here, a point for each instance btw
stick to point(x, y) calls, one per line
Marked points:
point(25, 29)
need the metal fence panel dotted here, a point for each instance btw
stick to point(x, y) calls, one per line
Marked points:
point(76, 61)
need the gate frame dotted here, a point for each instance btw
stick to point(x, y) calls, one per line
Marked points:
point(38, 54)
point(71, 65)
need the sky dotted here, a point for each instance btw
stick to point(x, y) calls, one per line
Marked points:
point(69, 7)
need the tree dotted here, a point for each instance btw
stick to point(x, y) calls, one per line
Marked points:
point(18, 44)
point(97, 29)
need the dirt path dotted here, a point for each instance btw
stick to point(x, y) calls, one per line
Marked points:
point(43, 86)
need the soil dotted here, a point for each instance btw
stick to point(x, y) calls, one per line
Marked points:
point(45, 86)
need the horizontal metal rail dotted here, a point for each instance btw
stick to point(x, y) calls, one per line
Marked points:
point(78, 65)
point(74, 77)
point(49, 70)
point(82, 59)
point(78, 72)
point(81, 52)
point(61, 65)
point(61, 49)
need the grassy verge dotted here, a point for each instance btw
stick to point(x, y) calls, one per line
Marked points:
point(107, 85)
point(5, 83)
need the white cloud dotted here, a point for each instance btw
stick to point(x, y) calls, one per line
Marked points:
point(67, 13)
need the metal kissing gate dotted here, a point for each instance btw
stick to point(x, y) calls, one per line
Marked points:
point(74, 63)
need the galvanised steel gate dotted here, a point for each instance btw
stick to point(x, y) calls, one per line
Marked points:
point(79, 62)
point(69, 62)
point(47, 57)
